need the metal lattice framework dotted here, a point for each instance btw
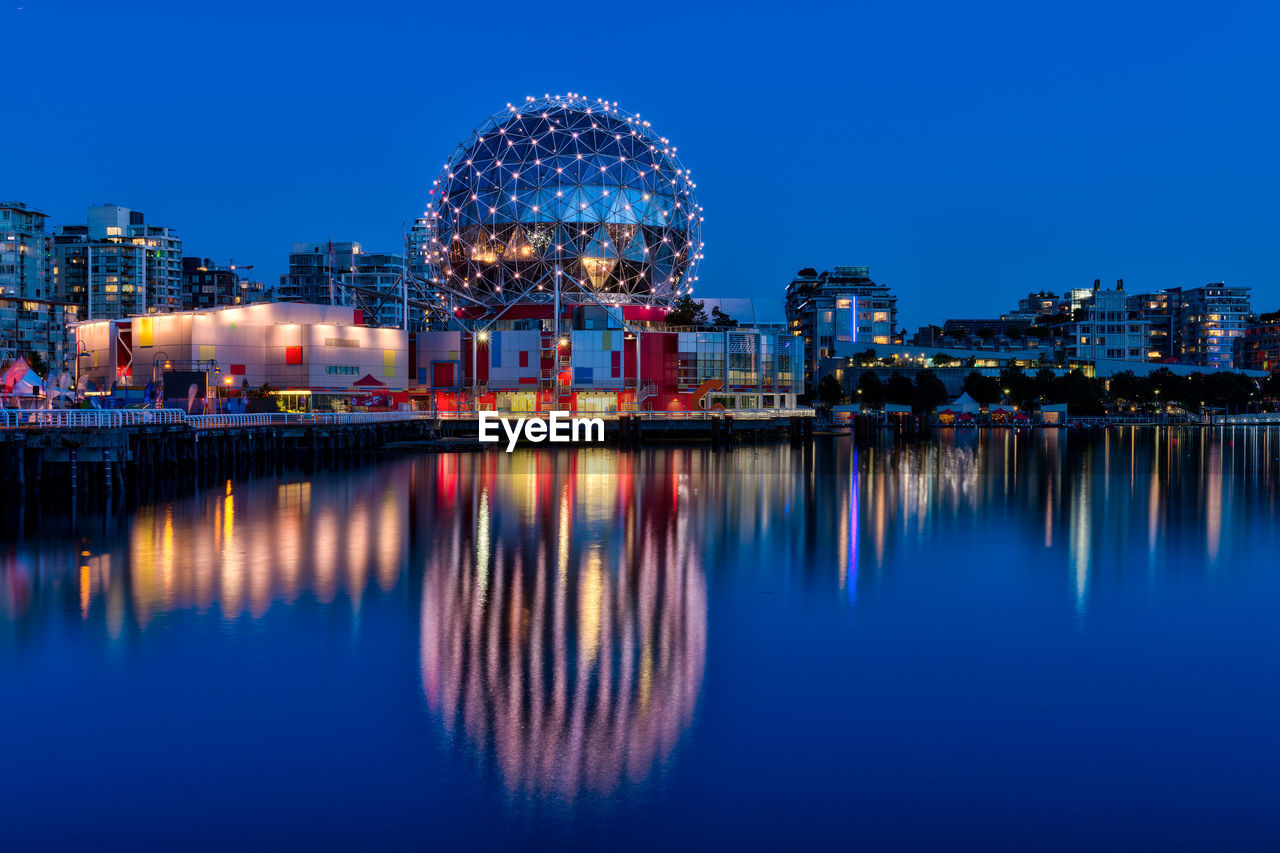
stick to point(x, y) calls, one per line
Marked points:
point(562, 200)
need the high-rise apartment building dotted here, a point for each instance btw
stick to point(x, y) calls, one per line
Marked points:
point(379, 271)
point(356, 277)
point(24, 253)
point(207, 285)
point(1259, 347)
point(316, 271)
point(840, 305)
point(1160, 309)
point(117, 265)
point(38, 330)
point(1107, 330)
point(1210, 319)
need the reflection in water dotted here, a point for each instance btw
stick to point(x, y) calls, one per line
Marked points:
point(562, 598)
point(236, 550)
point(606, 527)
point(564, 627)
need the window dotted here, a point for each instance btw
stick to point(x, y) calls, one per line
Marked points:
point(342, 342)
point(341, 370)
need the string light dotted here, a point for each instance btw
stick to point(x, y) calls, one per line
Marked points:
point(560, 147)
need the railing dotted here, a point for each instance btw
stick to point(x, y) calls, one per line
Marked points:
point(299, 418)
point(89, 418)
point(1245, 419)
point(104, 419)
point(98, 419)
point(736, 414)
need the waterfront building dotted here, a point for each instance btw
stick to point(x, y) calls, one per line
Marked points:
point(343, 273)
point(207, 285)
point(838, 306)
point(927, 336)
point(379, 272)
point(1210, 319)
point(117, 265)
point(38, 330)
point(1160, 309)
point(299, 349)
point(24, 253)
point(950, 364)
point(1259, 347)
point(1038, 305)
point(557, 239)
point(596, 370)
point(1074, 299)
point(1005, 329)
point(1104, 329)
point(316, 271)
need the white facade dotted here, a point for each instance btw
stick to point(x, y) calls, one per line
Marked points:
point(294, 347)
point(1108, 330)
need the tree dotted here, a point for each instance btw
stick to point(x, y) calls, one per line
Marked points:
point(262, 393)
point(1168, 387)
point(930, 391)
point(721, 319)
point(38, 364)
point(1044, 384)
point(986, 333)
point(1271, 385)
point(1018, 387)
point(871, 390)
point(941, 359)
point(984, 389)
point(1082, 394)
point(1013, 332)
point(829, 390)
point(1126, 386)
point(866, 358)
point(687, 312)
point(899, 389)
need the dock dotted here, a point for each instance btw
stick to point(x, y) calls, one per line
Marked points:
point(107, 452)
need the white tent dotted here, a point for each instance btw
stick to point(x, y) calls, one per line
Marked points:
point(962, 404)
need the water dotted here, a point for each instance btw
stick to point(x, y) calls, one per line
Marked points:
point(993, 642)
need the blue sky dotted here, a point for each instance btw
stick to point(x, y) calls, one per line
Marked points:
point(968, 153)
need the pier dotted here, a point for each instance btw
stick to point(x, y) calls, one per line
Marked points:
point(141, 450)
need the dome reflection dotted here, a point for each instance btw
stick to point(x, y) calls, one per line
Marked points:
point(571, 657)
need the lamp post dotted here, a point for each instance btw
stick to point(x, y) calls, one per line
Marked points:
point(158, 381)
point(82, 351)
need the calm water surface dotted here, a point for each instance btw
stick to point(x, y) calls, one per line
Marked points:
point(991, 642)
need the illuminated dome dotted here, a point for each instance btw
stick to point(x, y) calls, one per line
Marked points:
point(563, 190)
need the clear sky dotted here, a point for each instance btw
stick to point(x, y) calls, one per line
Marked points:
point(967, 152)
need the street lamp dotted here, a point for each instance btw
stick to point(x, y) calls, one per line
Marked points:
point(82, 351)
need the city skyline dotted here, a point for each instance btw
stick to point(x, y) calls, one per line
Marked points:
point(961, 185)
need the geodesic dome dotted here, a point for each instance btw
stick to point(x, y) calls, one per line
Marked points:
point(565, 192)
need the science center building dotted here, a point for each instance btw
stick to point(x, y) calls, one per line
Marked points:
point(554, 246)
point(556, 242)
